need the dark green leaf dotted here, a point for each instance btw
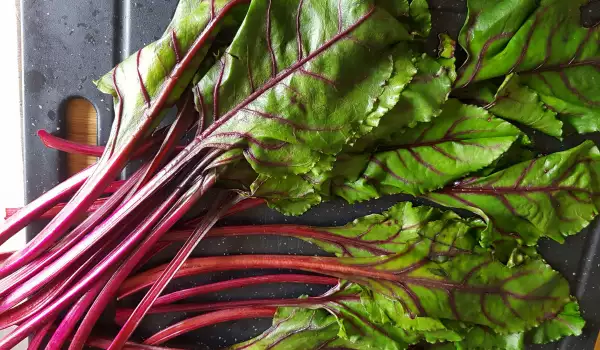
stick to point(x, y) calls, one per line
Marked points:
point(352, 320)
point(396, 229)
point(471, 288)
point(420, 101)
point(513, 101)
point(420, 17)
point(482, 338)
point(429, 82)
point(545, 42)
point(296, 328)
point(140, 84)
point(398, 8)
point(462, 140)
point(553, 196)
point(288, 95)
point(517, 153)
point(568, 322)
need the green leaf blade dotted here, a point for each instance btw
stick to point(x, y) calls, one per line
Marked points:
point(462, 140)
point(396, 229)
point(553, 196)
point(543, 41)
point(272, 85)
point(514, 101)
point(471, 288)
point(138, 84)
point(567, 322)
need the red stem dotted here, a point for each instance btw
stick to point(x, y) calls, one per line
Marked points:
point(36, 274)
point(34, 304)
point(260, 230)
point(37, 340)
point(176, 131)
point(210, 319)
point(103, 343)
point(146, 246)
point(68, 146)
point(157, 248)
point(243, 205)
point(111, 164)
point(94, 342)
point(52, 212)
point(123, 314)
point(324, 265)
point(221, 205)
point(53, 289)
point(27, 214)
point(72, 318)
point(239, 283)
point(96, 184)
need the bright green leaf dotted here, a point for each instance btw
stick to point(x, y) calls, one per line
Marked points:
point(397, 228)
point(420, 17)
point(139, 84)
point(289, 95)
point(552, 196)
point(546, 44)
point(568, 322)
point(513, 101)
point(462, 140)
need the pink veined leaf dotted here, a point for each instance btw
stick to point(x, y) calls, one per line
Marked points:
point(461, 140)
point(530, 38)
point(286, 137)
point(553, 196)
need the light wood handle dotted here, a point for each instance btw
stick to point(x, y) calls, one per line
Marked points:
point(81, 127)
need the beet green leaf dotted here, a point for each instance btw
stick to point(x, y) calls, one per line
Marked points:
point(291, 98)
point(482, 338)
point(415, 92)
point(469, 288)
point(415, 15)
point(348, 319)
point(420, 101)
point(553, 196)
point(141, 84)
point(546, 44)
point(462, 140)
point(295, 328)
point(358, 323)
point(420, 18)
point(396, 229)
point(513, 101)
point(567, 322)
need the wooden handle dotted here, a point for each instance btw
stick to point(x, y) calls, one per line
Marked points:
point(81, 127)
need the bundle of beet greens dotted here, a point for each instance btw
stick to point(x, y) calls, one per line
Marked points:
point(297, 102)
